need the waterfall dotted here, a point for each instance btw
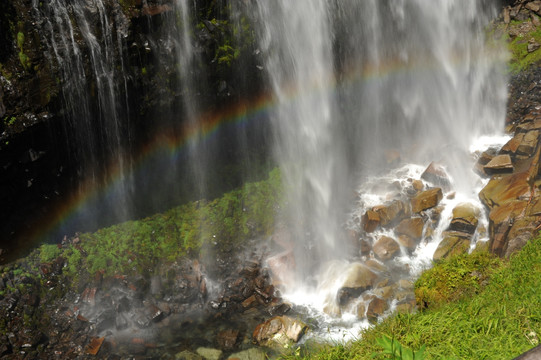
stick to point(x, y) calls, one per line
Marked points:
point(95, 98)
point(355, 81)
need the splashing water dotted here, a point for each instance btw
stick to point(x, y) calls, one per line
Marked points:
point(371, 92)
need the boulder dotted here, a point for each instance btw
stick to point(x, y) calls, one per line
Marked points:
point(209, 353)
point(412, 227)
point(370, 221)
point(390, 213)
point(386, 248)
point(282, 266)
point(504, 188)
point(426, 200)
point(499, 164)
point(376, 308)
point(279, 330)
point(407, 242)
point(465, 218)
point(227, 339)
point(357, 279)
point(250, 354)
point(512, 145)
point(436, 174)
point(452, 244)
point(529, 142)
point(520, 233)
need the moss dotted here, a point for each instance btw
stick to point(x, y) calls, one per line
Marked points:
point(454, 278)
point(49, 252)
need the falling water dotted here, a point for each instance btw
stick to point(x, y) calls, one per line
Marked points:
point(94, 107)
point(364, 87)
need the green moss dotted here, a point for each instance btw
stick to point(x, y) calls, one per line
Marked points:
point(454, 278)
point(49, 252)
point(521, 59)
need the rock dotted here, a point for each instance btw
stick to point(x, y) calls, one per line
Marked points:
point(376, 308)
point(282, 266)
point(534, 6)
point(370, 221)
point(505, 188)
point(250, 354)
point(533, 45)
point(465, 218)
point(384, 292)
point(529, 141)
point(512, 145)
point(375, 265)
point(187, 355)
point(426, 200)
point(506, 15)
point(452, 244)
point(436, 175)
point(227, 339)
point(405, 284)
point(390, 213)
point(152, 10)
point(94, 347)
point(407, 242)
point(358, 278)
point(209, 354)
point(499, 164)
point(520, 233)
point(411, 227)
point(386, 248)
point(279, 330)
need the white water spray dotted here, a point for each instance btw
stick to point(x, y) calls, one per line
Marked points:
point(365, 87)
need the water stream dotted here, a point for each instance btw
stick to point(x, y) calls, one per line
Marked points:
point(368, 95)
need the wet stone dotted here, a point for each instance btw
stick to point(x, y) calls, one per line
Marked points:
point(376, 308)
point(227, 339)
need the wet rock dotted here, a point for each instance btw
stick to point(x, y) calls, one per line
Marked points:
point(407, 242)
point(209, 354)
point(370, 221)
point(187, 355)
point(411, 227)
point(406, 307)
point(520, 233)
point(499, 165)
point(376, 308)
point(250, 354)
point(504, 188)
point(282, 266)
point(386, 248)
point(529, 143)
point(390, 213)
point(512, 145)
point(385, 292)
point(426, 200)
point(465, 218)
point(227, 339)
point(405, 284)
point(375, 265)
point(280, 330)
point(358, 278)
point(533, 45)
point(94, 347)
point(436, 174)
point(106, 320)
point(452, 244)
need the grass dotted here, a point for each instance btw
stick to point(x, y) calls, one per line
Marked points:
point(500, 322)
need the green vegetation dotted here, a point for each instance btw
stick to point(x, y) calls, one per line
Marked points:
point(49, 252)
point(500, 322)
point(23, 58)
point(140, 246)
point(521, 59)
point(451, 280)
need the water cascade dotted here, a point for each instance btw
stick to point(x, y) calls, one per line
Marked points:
point(363, 88)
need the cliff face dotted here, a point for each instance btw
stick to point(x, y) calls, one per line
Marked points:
point(84, 84)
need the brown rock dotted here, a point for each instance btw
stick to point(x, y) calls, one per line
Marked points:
point(376, 308)
point(282, 265)
point(94, 346)
point(375, 265)
point(505, 188)
point(411, 227)
point(407, 242)
point(279, 330)
point(436, 175)
point(512, 145)
point(534, 6)
point(520, 233)
point(386, 248)
point(417, 185)
point(390, 213)
point(500, 164)
point(426, 200)
point(529, 142)
point(384, 292)
point(452, 244)
point(465, 218)
point(370, 221)
point(227, 339)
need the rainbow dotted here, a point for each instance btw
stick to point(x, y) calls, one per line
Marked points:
point(209, 124)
